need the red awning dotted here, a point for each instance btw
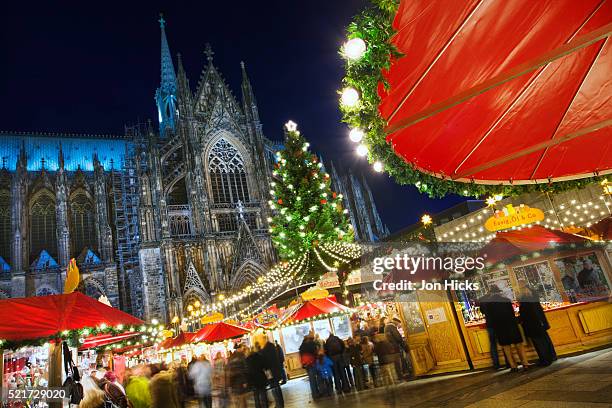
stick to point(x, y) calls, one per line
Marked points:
point(178, 341)
point(496, 91)
point(509, 244)
point(219, 331)
point(106, 339)
point(314, 308)
point(44, 316)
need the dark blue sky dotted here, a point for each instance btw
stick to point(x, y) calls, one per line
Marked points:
point(74, 67)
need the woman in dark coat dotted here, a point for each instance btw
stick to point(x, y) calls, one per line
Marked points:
point(535, 326)
point(500, 315)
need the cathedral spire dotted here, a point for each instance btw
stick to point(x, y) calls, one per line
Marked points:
point(248, 97)
point(183, 90)
point(22, 162)
point(165, 96)
point(60, 159)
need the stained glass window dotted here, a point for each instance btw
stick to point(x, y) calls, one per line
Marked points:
point(227, 174)
point(81, 224)
point(42, 226)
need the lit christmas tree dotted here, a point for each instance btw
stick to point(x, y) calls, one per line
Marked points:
point(309, 220)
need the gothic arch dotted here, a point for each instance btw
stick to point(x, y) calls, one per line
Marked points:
point(92, 287)
point(194, 294)
point(247, 273)
point(81, 221)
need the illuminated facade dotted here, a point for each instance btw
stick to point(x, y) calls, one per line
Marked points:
point(155, 218)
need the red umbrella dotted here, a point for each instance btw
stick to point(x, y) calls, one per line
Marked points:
point(502, 91)
point(314, 308)
point(44, 316)
point(219, 331)
point(509, 244)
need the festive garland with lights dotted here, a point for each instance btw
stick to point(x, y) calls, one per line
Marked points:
point(75, 338)
point(368, 53)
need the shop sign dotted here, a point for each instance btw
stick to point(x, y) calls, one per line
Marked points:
point(330, 280)
point(511, 216)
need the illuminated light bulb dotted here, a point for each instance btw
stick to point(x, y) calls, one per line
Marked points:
point(356, 135)
point(362, 150)
point(378, 166)
point(349, 97)
point(354, 48)
point(426, 219)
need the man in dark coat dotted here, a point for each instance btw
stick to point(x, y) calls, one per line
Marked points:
point(257, 378)
point(281, 358)
point(484, 302)
point(273, 368)
point(500, 315)
point(308, 354)
point(334, 348)
point(535, 326)
point(399, 346)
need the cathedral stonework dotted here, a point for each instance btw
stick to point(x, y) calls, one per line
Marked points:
point(156, 218)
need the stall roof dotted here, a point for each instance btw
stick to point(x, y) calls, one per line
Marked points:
point(219, 331)
point(312, 308)
point(44, 316)
point(502, 91)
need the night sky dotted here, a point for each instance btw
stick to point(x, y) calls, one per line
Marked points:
point(72, 67)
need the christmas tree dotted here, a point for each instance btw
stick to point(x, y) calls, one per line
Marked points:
point(309, 219)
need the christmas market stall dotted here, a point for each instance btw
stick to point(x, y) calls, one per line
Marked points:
point(33, 329)
point(571, 275)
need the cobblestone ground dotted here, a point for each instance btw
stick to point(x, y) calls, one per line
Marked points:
point(579, 381)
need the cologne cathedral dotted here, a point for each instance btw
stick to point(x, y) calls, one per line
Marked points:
point(156, 218)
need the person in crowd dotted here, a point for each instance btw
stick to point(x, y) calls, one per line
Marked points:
point(200, 374)
point(272, 368)
point(308, 354)
point(356, 359)
point(484, 302)
point(219, 386)
point(501, 317)
point(163, 390)
point(399, 345)
point(569, 280)
point(535, 326)
point(114, 390)
point(346, 363)
point(281, 358)
point(384, 350)
point(238, 381)
point(257, 377)
point(318, 340)
point(334, 348)
point(93, 396)
point(137, 388)
point(367, 352)
point(184, 383)
point(325, 372)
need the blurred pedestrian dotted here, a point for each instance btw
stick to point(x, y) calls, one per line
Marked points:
point(200, 374)
point(93, 396)
point(334, 348)
point(163, 390)
point(137, 388)
point(402, 367)
point(272, 369)
point(535, 325)
point(308, 354)
point(257, 377)
point(219, 386)
point(384, 352)
point(503, 321)
point(484, 303)
point(281, 358)
point(367, 352)
point(356, 359)
point(238, 381)
point(325, 370)
point(114, 390)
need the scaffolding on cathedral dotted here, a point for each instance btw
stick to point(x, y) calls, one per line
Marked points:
point(125, 197)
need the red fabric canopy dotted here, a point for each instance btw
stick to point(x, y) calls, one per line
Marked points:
point(314, 308)
point(106, 339)
point(509, 244)
point(497, 91)
point(44, 316)
point(219, 331)
point(178, 341)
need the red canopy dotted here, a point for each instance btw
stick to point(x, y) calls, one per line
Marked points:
point(44, 316)
point(106, 339)
point(219, 331)
point(500, 91)
point(313, 308)
point(509, 244)
point(178, 341)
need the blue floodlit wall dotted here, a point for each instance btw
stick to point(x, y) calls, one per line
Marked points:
point(78, 150)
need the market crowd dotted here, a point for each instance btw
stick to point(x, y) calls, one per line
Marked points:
point(247, 373)
point(376, 355)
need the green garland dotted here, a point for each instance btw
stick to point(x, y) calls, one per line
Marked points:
point(374, 26)
point(74, 338)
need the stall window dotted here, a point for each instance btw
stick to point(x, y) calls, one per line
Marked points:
point(322, 328)
point(293, 337)
point(540, 278)
point(412, 314)
point(583, 277)
point(342, 327)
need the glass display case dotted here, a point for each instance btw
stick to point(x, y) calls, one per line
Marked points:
point(583, 277)
point(26, 368)
point(294, 335)
point(541, 279)
point(342, 327)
